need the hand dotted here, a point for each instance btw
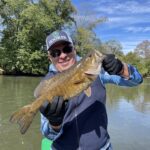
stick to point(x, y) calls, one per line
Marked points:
point(55, 111)
point(112, 65)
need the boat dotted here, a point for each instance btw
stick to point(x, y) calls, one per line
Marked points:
point(46, 144)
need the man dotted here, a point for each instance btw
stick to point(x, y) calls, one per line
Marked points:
point(81, 122)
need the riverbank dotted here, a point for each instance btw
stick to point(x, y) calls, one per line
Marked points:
point(1, 71)
point(4, 73)
point(22, 75)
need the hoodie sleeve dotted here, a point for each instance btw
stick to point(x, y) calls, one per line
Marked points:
point(46, 129)
point(134, 79)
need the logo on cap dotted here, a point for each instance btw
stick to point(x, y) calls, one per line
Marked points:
point(55, 37)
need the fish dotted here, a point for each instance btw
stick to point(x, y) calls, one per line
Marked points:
point(67, 84)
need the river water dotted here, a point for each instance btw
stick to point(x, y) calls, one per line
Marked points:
point(128, 114)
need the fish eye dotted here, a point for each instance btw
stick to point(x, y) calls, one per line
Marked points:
point(90, 55)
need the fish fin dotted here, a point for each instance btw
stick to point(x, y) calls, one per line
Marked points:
point(88, 91)
point(23, 117)
point(93, 71)
point(39, 89)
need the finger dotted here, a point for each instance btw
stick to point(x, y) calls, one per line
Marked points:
point(44, 109)
point(54, 105)
point(116, 69)
point(59, 106)
point(108, 59)
point(110, 64)
point(119, 67)
point(114, 72)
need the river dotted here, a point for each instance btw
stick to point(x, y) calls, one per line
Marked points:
point(128, 114)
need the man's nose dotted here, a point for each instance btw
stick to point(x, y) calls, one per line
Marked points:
point(62, 55)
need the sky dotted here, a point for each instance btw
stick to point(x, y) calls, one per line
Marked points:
point(128, 21)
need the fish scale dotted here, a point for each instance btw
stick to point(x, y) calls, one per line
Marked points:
point(67, 84)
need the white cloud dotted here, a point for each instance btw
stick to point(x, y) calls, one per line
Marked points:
point(115, 7)
point(129, 46)
point(86, 19)
point(137, 29)
point(119, 13)
point(130, 43)
point(127, 21)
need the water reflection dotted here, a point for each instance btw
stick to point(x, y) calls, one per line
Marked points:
point(16, 92)
point(138, 96)
point(128, 113)
point(129, 116)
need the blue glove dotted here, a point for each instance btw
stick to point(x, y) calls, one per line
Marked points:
point(55, 111)
point(112, 65)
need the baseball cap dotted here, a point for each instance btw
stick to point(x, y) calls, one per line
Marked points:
point(57, 36)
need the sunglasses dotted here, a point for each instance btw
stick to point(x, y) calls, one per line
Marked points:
point(57, 52)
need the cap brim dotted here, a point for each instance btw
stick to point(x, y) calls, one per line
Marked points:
point(58, 42)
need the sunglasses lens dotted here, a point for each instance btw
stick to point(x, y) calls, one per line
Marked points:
point(67, 49)
point(55, 53)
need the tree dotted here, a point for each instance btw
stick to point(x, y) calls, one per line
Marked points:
point(112, 47)
point(85, 41)
point(84, 35)
point(135, 60)
point(143, 49)
point(25, 25)
point(147, 66)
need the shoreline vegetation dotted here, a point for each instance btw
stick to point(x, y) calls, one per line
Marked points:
point(3, 73)
point(27, 24)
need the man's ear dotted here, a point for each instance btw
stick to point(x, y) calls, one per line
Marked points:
point(75, 51)
point(49, 57)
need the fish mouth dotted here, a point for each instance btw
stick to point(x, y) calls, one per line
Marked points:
point(99, 56)
point(98, 53)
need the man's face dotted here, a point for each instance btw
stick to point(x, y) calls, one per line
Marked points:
point(62, 55)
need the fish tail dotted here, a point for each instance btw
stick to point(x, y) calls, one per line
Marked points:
point(23, 117)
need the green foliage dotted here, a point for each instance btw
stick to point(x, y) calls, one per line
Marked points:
point(86, 41)
point(112, 47)
point(85, 38)
point(143, 49)
point(147, 66)
point(28, 63)
point(25, 25)
point(138, 62)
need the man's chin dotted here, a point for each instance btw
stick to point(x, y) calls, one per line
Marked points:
point(65, 66)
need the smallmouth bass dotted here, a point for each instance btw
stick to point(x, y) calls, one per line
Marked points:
point(67, 84)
